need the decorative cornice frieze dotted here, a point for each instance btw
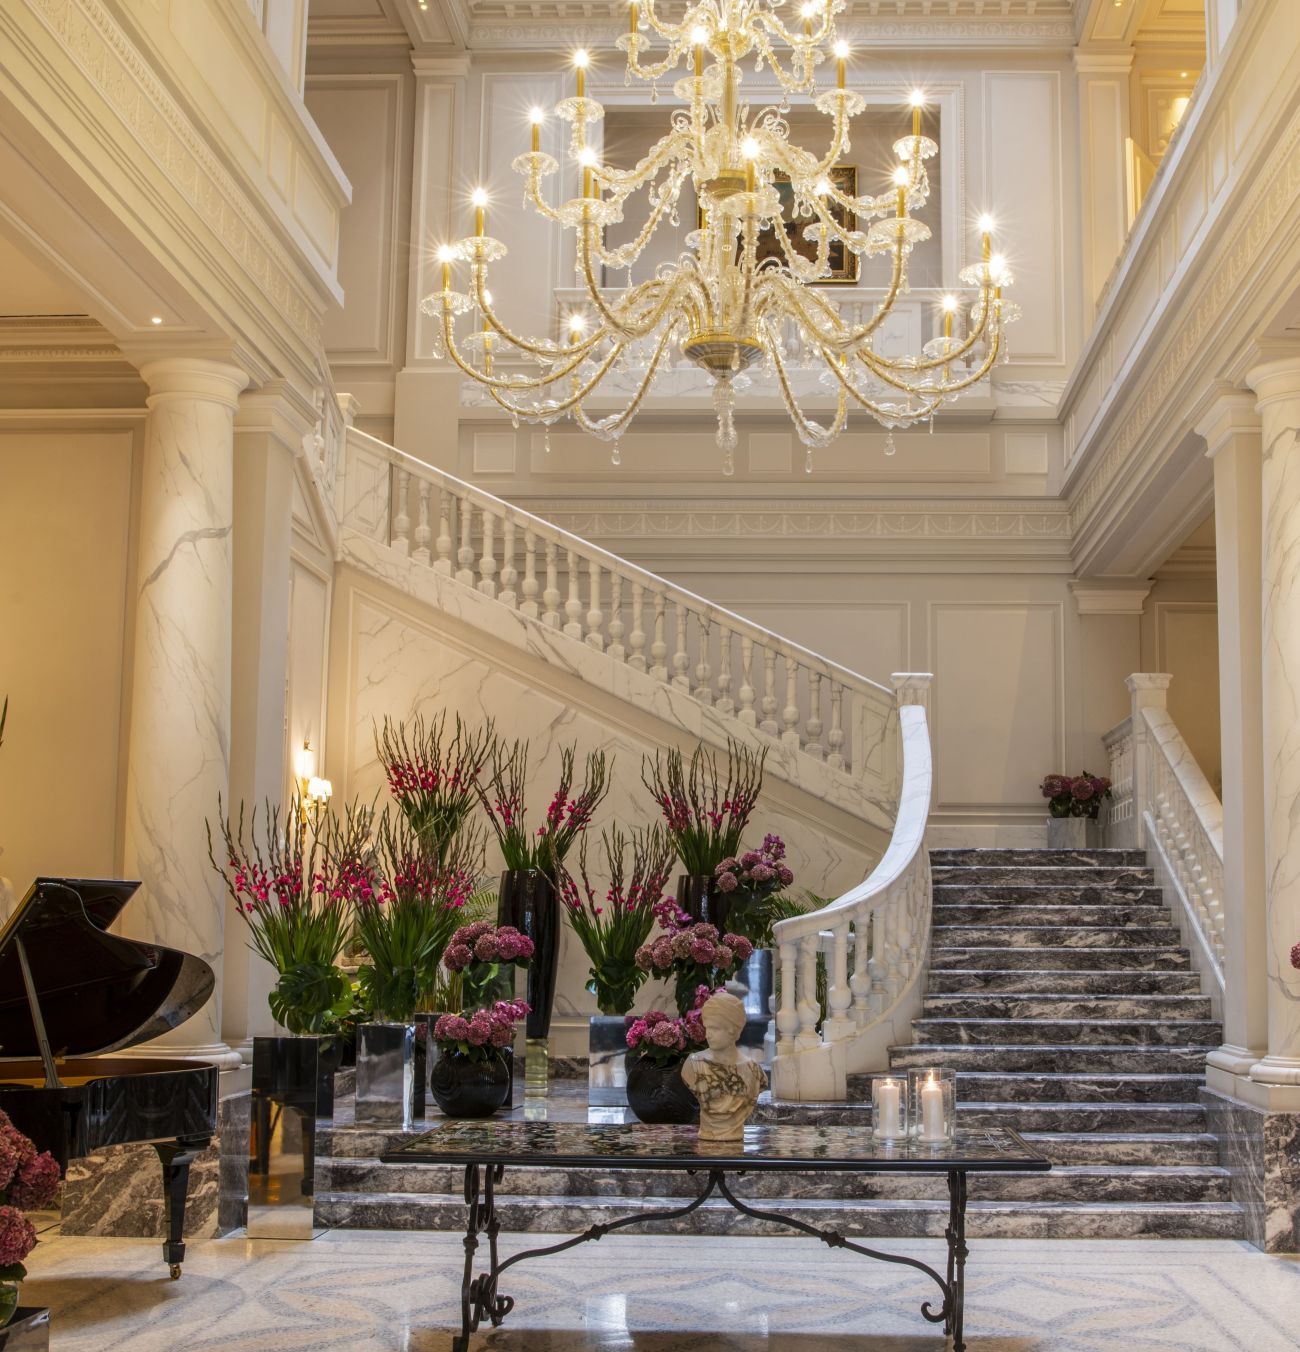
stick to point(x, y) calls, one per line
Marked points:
point(104, 53)
point(56, 338)
point(1274, 194)
point(1043, 521)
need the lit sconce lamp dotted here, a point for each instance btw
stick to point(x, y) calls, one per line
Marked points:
point(314, 792)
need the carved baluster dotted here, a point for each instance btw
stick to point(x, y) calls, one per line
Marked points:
point(573, 606)
point(835, 736)
point(402, 517)
point(787, 1014)
point(814, 725)
point(746, 712)
point(615, 625)
point(769, 724)
point(839, 996)
point(860, 981)
point(465, 555)
point(422, 531)
point(882, 958)
point(703, 671)
point(659, 645)
point(443, 562)
point(531, 587)
point(487, 565)
point(636, 639)
point(595, 617)
point(551, 596)
point(681, 659)
point(509, 574)
point(790, 714)
point(725, 704)
point(810, 1011)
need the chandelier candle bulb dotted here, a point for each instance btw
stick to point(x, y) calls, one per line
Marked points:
point(634, 16)
point(580, 64)
point(918, 102)
point(535, 117)
point(841, 56)
point(479, 199)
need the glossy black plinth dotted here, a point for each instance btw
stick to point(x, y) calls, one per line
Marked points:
point(27, 1331)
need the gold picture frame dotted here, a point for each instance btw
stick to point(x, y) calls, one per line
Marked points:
point(844, 265)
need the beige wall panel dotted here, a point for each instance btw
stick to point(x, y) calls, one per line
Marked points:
point(309, 599)
point(64, 536)
point(998, 705)
point(869, 637)
point(1187, 637)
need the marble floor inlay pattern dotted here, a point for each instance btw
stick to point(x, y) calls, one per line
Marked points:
point(383, 1292)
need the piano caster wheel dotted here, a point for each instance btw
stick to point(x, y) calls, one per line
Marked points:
point(175, 1270)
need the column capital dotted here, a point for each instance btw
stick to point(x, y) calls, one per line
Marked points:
point(1148, 688)
point(278, 409)
point(1109, 598)
point(1277, 376)
point(216, 382)
point(912, 687)
point(1107, 62)
point(439, 67)
point(1225, 412)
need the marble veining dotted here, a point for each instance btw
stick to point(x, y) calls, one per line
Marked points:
point(119, 1191)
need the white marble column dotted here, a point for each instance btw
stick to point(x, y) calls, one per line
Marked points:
point(269, 431)
point(1103, 87)
point(178, 757)
point(1230, 425)
point(1277, 385)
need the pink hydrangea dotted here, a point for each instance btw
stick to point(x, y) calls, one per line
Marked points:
point(16, 1152)
point(17, 1236)
point(37, 1182)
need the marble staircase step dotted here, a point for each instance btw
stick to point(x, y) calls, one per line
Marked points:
point(1001, 1087)
point(955, 981)
point(1045, 894)
point(978, 858)
point(1044, 1005)
point(1105, 1032)
point(1089, 1118)
point(1060, 936)
point(995, 955)
point(1071, 1059)
point(1163, 1148)
point(1120, 915)
point(1052, 875)
point(877, 1218)
point(1081, 1183)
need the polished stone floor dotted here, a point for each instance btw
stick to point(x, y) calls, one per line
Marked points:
point(387, 1292)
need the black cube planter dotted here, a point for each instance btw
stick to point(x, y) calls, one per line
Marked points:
point(697, 897)
point(27, 1331)
point(529, 900)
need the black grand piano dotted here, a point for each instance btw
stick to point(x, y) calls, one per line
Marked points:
point(70, 992)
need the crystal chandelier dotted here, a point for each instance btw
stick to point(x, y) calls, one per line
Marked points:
point(719, 305)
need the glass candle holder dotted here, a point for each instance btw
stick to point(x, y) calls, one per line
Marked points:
point(889, 1108)
point(932, 1104)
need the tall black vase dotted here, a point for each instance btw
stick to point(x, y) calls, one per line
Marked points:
point(529, 900)
point(697, 896)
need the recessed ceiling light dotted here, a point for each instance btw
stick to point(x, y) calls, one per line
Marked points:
point(156, 319)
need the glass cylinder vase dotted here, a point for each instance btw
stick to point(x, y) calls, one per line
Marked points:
point(697, 896)
point(889, 1108)
point(932, 1104)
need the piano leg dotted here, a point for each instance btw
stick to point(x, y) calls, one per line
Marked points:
point(176, 1158)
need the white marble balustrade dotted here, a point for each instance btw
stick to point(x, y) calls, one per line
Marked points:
point(724, 661)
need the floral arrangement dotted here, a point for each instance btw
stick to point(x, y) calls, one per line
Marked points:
point(28, 1181)
point(695, 956)
point(295, 907)
point(567, 816)
point(612, 926)
point(484, 942)
point(482, 1034)
point(407, 902)
point(663, 1040)
point(751, 881)
point(1295, 956)
point(1080, 796)
point(434, 778)
point(705, 811)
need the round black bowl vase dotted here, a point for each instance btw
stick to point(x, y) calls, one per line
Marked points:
point(464, 1087)
point(657, 1094)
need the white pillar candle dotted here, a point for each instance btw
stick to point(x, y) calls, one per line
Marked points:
point(888, 1119)
point(932, 1123)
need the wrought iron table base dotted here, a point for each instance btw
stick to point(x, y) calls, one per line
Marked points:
point(479, 1299)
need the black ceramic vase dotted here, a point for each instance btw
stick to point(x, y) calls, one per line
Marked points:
point(697, 896)
point(529, 901)
point(658, 1094)
point(464, 1087)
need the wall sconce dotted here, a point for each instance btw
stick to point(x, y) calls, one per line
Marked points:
point(314, 792)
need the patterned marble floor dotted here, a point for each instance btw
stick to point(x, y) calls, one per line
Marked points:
point(387, 1292)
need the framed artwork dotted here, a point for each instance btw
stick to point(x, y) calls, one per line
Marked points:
point(843, 264)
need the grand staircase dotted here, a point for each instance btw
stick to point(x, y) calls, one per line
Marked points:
point(1059, 992)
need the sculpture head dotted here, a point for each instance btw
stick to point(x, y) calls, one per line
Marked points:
point(723, 1017)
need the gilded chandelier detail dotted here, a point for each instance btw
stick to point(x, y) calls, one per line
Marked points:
point(718, 304)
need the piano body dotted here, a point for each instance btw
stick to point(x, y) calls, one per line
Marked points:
point(71, 993)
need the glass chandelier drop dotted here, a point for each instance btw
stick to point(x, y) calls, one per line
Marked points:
point(718, 305)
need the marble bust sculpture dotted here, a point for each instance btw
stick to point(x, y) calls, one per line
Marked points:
point(725, 1081)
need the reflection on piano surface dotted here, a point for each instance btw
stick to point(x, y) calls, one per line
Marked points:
point(69, 993)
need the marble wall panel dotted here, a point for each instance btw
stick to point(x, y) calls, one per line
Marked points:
point(1261, 1151)
point(119, 1191)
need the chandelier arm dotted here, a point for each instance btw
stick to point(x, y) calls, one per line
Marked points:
point(885, 367)
point(621, 421)
point(499, 382)
point(660, 153)
point(624, 326)
point(539, 202)
point(659, 69)
point(843, 341)
point(811, 433)
point(790, 83)
point(814, 269)
point(566, 405)
point(877, 410)
point(552, 352)
point(839, 145)
point(796, 41)
point(627, 254)
point(674, 33)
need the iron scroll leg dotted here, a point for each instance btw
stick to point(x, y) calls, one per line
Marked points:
point(176, 1158)
point(957, 1251)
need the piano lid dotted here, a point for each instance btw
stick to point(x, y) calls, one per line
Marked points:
point(98, 992)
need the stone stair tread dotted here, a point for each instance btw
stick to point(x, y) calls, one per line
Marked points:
point(1021, 957)
point(975, 855)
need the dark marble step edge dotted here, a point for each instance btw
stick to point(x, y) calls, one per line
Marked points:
point(960, 853)
point(1061, 1048)
point(1153, 998)
point(1030, 890)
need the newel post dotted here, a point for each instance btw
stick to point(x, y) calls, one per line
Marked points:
point(1147, 690)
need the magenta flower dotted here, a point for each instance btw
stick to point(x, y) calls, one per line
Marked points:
point(17, 1236)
